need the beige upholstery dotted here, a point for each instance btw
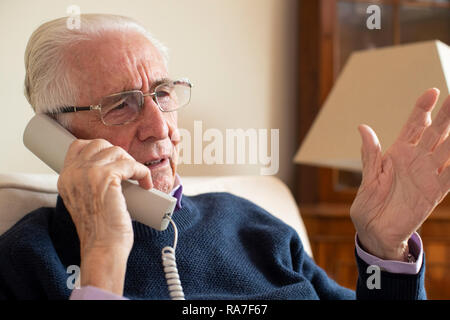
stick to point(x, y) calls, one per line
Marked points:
point(22, 193)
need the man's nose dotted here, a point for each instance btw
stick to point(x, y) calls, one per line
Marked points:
point(152, 123)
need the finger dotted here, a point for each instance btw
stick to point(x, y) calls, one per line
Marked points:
point(116, 153)
point(439, 129)
point(75, 148)
point(420, 117)
point(131, 169)
point(444, 178)
point(94, 147)
point(111, 154)
point(442, 153)
point(370, 152)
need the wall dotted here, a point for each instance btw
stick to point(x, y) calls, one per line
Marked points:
point(240, 55)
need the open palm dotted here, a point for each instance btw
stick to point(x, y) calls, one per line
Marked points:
point(401, 188)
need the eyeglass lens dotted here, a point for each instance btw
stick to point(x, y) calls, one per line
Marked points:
point(125, 107)
point(122, 108)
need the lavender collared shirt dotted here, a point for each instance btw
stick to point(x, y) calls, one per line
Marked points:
point(414, 243)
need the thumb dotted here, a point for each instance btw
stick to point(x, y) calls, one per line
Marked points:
point(370, 152)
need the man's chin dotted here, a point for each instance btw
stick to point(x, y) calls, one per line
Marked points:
point(164, 180)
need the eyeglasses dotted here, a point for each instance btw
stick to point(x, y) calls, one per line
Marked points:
point(124, 107)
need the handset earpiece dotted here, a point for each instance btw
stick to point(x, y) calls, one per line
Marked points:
point(49, 141)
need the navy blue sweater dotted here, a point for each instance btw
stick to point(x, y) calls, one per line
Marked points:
point(228, 248)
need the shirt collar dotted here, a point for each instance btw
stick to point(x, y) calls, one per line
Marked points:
point(177, 191)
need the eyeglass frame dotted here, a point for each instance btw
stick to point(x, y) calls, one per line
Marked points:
point(70, 109)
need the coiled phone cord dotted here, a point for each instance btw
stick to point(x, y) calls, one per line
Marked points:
point(170, 268)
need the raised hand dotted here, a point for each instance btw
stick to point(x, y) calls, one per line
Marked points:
point(400, 189)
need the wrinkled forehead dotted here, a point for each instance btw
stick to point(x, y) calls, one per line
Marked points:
point(115, 62)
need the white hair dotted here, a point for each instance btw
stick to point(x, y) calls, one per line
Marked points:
point(48, 82)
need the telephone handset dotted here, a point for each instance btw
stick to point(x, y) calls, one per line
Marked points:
point(49, 141)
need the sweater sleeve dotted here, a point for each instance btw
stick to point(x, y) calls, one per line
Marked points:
point(374, 283)
point(325, 287)
point(2, 292)
point(5, 294)
point(390, 286)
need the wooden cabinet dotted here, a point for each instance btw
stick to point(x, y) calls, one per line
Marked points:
point(329, 31)
point(435, 234)
point(332, 238)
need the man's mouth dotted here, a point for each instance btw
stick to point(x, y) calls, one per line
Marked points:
point(157, 163)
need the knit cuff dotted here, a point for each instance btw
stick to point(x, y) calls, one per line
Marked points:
point(374, 283)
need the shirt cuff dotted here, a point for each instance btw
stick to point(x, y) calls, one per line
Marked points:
point(93, 293)
point(415, 249)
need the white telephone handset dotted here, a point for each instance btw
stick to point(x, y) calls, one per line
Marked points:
point(49, 141)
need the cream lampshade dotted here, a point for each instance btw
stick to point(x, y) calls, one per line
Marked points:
point(377, 87)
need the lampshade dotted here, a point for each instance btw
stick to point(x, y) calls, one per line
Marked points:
point(377, 87)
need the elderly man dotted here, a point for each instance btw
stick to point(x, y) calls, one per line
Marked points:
point(228, 248)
